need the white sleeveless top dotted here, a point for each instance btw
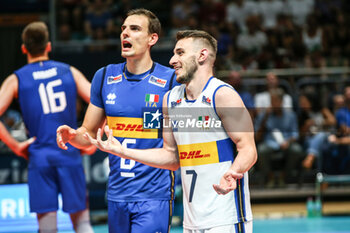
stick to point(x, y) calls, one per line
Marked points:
point(206, 152)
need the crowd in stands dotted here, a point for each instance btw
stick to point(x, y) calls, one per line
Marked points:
point(251, 34)
point(308, 129)
point(297, 132)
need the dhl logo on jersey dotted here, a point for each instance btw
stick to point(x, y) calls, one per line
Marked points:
point(130, 127)
point(198, 154)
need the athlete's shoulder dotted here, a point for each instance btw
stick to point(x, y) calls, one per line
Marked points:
point(57, 62)
point(218, 82)
point(23, 68)
point(115, 66)
point(177, 91)
point(165, 71)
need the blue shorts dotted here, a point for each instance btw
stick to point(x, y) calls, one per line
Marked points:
point(45, 183)
point(140, 216)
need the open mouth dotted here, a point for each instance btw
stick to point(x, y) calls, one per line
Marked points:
point(127, 45)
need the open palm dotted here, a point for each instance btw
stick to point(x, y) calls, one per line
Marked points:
point(111, 145)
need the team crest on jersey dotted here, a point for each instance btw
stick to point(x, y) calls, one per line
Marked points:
point(151, 100)
point(114, 79)
point(157, 81)
point(175, 103)
point(111, 98)
point(206, 100)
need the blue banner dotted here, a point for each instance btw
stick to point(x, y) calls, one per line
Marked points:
point(14, 211)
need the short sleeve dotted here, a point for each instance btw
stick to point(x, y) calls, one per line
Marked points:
point(96, 86)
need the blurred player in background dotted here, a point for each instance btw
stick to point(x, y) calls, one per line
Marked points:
point(47, 91)
point(140, 197)
point(212, 154)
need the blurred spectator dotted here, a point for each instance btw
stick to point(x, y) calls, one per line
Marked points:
point(315, 124)
point(192, 22)
point(64, 32)
point(336, 150)
point(254, 39)
point(263, 99)
point(313, 41)
point(98, 21)
point(338, 102)
point(269, 10)
point(235, 80)
point(237, 12)
point(326, 10)
point(299, 10)
point(225, 44)
point(290, 48)
point(184, 15)
point(343, 114)
point(338, 35)
point(212, 11)
point(71, 18)
point(181, 12)
point(119, 10)
point(269, 56)
point(312, 34)
point(277, 134)
point(336, 58)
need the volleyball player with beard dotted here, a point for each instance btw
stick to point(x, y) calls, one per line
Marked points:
point(221, 154)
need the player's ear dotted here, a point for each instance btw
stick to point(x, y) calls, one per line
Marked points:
point(153, 39)
point(203, 55)
point(48, 47)
point(24, 49)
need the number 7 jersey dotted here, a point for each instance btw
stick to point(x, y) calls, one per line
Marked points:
point(47, 96)
point(206, 152)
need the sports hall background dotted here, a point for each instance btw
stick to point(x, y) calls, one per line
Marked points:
point(305, 43)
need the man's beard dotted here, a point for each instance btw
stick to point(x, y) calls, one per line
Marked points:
point(189, 72)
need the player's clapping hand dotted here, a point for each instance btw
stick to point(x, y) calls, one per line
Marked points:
point(111, 145)
point(63, 134)
point(228, 182)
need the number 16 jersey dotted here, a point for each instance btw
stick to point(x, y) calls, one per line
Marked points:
point(47, 96)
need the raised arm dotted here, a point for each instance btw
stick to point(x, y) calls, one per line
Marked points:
point(9, 91)
point(83, 85)
point(166, 157)
point(239, 127)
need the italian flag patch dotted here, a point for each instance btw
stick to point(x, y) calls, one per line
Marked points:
point(152, 98)
point(203, 118)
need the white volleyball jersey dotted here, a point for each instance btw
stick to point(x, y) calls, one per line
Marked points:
point(206, 152)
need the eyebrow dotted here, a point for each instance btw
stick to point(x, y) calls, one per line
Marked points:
point(178, 50)
point(131, 25)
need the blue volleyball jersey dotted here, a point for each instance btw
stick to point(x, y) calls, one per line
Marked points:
point(47, 97)
point(124, 102)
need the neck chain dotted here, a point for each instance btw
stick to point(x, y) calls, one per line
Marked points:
point(149, 73)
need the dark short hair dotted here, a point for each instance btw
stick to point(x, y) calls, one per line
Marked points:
point(201, 35)
point(154, 25)
point(35, 37)
point(278, 92)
